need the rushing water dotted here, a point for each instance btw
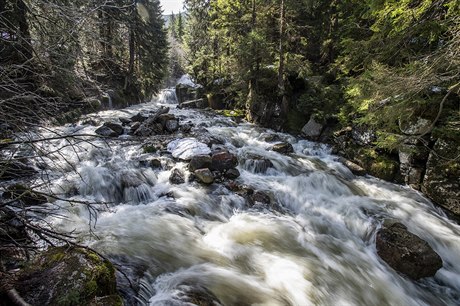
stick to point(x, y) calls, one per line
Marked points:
point(315, 245)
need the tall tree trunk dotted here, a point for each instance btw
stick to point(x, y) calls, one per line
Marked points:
point(281, 84)
point(281, 48)
point(24, 33)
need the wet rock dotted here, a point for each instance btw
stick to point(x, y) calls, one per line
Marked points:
point(116, 127)
point(151, 125)
point(261, 197)
point(407, 253)
point(14, 170)
point(106, 132)
point(176, 177)
point(223, 161)
point(172, 125)
point(204, 176)
point(134, 128)
point(69, 276)
point(186, 148)
point(283, 147)
point(139, 117)
point(312, 130)
point(25, 195)
point(186, 128)
point(270, 137)
point(199, 162)
point(354, 168)
point(257, 164)
point(153, 163)
point(124, 121)
point(164, 118)
point(232, 174)
point(441, 182)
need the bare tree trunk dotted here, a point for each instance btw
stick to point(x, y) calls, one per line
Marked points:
point(281, 84)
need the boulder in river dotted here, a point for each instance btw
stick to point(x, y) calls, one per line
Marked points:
point(257, 164)
point(283, 147)
point(186, 148)
point(232, 174)
point(106, 131)
point(116, 127)
point(223, 160)
point(406, 252)
point(172, 125)
point(204, 176)
point(69, 276)
point(176, 177)
point(199, 162)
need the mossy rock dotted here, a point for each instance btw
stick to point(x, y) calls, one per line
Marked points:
point(69, 276)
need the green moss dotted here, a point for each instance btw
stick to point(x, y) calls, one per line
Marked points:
point(71, 299)
point(384, 168)
point(231, 112)
point(150, 149)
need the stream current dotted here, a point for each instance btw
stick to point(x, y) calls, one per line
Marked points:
point(315, 245)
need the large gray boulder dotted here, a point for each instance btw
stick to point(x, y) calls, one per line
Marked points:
point(312, 130)
point(406, 252)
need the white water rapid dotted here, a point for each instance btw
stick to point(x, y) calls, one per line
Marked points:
point(314, 245)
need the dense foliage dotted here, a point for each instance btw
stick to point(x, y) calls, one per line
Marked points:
point(331, 59)
point(56, 53)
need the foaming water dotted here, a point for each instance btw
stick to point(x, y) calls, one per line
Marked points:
point(314, 245)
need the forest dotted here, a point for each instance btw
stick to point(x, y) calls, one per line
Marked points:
point(217, 155)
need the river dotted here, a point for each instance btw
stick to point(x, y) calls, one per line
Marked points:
point(313, 245)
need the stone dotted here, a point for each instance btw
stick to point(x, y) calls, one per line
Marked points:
point(406, 252)
point(283, 147)
point(134, 128)
point(441, 182)
point(124, 121)
point(176, 177)
point(15, 169)
point(199, 162)
point(261, 197)
point(25, 195)
point(223, 161)
point(106, 132)
point(312, 130)
point(68, 276)
point(151, 126)
point(232, 174)
point(354, 168)
point(186, 148)
point(363, 136)
point(257, 164)
point(154, 163)
point(172, 125)
point(204, 176)
point(164, 118)
point(139, 117)
point(186, 128)
point(116, 127)
point(416, 126)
